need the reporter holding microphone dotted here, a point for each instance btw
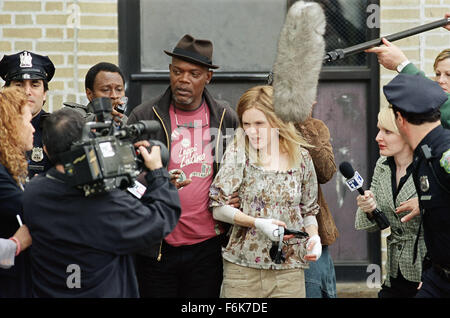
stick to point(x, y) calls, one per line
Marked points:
point(392, 186)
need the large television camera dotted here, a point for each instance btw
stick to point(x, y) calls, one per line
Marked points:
point(105, 157)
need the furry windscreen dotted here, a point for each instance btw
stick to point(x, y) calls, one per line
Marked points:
point(301, 49)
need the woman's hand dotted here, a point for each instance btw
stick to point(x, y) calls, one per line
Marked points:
point(314, 248)
point(270, 228)
point(24, 237)
point(409, 205)
point(366, 202)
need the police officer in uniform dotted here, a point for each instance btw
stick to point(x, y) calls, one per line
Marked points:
point(32, 72)
point(416, 101)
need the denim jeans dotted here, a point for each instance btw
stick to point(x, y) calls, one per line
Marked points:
point(320, 278)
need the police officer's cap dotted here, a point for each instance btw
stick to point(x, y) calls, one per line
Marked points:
point(414, 93)
point(26, 65)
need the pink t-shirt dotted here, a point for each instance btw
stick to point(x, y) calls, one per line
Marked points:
point(191, 152)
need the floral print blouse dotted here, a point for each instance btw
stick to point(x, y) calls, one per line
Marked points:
point(288, 196)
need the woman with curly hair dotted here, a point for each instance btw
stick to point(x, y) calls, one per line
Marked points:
point(16, 137)
point(274, 174)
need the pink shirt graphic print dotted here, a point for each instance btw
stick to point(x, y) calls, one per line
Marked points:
point(191, 152)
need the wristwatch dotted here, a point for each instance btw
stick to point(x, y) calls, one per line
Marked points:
point(402, 65)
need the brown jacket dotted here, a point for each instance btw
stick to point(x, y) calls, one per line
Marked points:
point(317, 134)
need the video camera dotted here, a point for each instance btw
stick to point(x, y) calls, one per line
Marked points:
point(105, 157)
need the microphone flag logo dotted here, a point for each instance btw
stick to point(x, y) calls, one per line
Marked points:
point(355, 182)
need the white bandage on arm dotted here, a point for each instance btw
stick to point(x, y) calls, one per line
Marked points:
point(224, 213)
point(310, 220)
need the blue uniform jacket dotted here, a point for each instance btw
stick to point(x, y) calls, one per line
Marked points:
point(434, 201)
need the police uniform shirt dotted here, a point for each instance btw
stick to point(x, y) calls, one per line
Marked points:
point(433, 198)
point(38, 161)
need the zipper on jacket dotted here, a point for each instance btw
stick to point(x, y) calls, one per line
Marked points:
point(159, 253)
point(168, 147)
point(164, 127)
point(218, 140)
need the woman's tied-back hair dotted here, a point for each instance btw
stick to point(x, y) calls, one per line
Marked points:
point(261, 98)
point(12, 156)
point(386, 119)
point(445, 54)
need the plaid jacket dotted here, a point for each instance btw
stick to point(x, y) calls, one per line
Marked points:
point(400, 243)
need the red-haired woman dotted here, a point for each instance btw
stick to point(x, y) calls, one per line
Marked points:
point(16, 137)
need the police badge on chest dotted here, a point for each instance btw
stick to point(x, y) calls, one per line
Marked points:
point(37, 154)
point(424, 184)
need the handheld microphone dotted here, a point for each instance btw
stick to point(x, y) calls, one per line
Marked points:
point(355, 182)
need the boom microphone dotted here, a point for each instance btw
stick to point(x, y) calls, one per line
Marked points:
point(341, 53)
point(355, 182)
point(298, 62)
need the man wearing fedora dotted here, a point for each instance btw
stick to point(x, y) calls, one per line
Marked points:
point(32, 72)
point(195, 127)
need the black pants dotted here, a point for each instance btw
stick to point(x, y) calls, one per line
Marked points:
point(400, 288)
point(191, 271)
point(434, 284)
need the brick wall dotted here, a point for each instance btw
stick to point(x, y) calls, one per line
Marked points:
point(421, 49)
point(48, 27)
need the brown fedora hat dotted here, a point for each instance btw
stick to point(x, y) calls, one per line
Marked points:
point(194, 51)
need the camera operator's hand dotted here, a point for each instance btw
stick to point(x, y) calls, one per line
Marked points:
point(269, 227)
point(366, 202)
point(152, 160)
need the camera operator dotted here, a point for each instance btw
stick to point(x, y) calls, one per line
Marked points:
point(82, 245)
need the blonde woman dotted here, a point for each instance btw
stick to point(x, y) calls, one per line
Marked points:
point(441, 68)
point(16, 137)
point(277, 186)
point(392, 184)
